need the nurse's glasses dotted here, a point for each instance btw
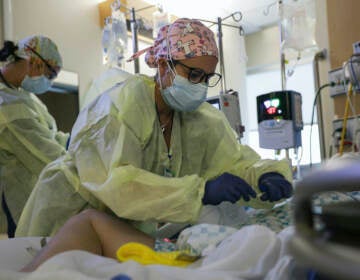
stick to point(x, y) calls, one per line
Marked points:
point(197, 75)
point(52, 74)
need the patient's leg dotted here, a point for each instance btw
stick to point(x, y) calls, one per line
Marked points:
point(91, 231)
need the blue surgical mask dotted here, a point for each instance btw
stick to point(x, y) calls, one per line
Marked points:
point(37, 85)
point(183, 95)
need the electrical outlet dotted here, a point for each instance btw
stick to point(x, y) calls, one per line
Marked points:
point(337, 76)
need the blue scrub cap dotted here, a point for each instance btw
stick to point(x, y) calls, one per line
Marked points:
point(43, 46)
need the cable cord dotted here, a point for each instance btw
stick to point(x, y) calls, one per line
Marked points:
point(332, 84)
point(346, 115)
point(298, 160)
point(356, 129)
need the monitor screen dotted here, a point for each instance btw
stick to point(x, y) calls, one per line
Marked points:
point(274, 106)
point(214, 101)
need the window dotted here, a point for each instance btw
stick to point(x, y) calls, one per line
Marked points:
point(265, 81)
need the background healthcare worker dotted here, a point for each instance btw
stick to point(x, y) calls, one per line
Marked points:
point(28, 134)
point(151, 150)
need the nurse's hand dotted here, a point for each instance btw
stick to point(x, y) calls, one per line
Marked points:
point(227, 187)
point(274, 187)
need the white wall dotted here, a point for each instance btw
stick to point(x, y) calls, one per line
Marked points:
point(72, 24)
point(322, 39)
point(234, 55)
point(263, 48)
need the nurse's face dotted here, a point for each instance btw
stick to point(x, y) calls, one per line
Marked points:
point(38, 66)
point(198, 74)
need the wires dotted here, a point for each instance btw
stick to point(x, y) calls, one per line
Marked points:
point(353, 71)
point(356, 124)
point(298, 160)
point(332, 84)
point(346, 115)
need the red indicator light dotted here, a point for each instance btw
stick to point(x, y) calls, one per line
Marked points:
point(271, 110)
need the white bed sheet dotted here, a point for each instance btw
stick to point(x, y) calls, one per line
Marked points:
point(253, 252)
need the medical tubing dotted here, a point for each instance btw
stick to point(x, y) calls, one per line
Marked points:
point(346, 115)
point(332, 84)
point(355, 126)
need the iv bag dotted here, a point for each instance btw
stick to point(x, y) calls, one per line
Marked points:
point(106, 38)
point(159, 20)
point(115, 37)
point(119, 27)
point(298, 22)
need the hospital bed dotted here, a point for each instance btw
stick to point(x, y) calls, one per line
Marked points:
point(327, 237)
point(250, 252)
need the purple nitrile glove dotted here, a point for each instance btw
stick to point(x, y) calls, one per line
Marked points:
point(274, 187)
point(227, 187)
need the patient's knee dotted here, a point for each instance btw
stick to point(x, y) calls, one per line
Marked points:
point(86, 216)
point(89, 213)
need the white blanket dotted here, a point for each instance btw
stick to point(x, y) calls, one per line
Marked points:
point(253, 252)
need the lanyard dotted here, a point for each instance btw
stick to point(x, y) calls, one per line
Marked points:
point(167, 168)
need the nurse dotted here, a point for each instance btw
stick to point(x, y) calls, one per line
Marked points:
point(28, 135)
point(151, 150)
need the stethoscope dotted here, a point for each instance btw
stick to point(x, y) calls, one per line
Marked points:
point(5, 81)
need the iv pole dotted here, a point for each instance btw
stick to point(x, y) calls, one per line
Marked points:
point(221, 55)
point(134, 32)
point(134, 36)
point(220, 35)
point(282, 67)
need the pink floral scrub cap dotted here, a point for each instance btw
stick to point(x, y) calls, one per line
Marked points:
point(184, 38)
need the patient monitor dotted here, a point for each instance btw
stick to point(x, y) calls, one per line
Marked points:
point(280, 119)
point(228, 103)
